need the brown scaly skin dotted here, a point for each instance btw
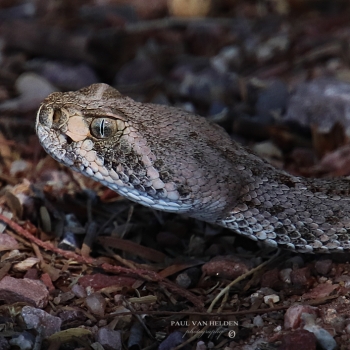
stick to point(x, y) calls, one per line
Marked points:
point(175, 161)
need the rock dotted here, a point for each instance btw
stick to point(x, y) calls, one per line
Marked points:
point(96, 304)
point(271, 279)
point(32, 89)
point(272, 298)
point(335, 320)
point(347, 329)
point(322, 102)
point(258, 321)
point(260, 294)
point(297, 340)
point(188, 278)
point(79, 291)
point(109, 339)
point(68, 316)
point(266, 50)
point(14, 290)
point(324, 338)
point(323, 266)
point(201, 345)
point(295, 262)
point(228, 59)
point(292, 317)
point(44, 323)
point(25, 341)
point(323, 105)
point(19, 166)
point(268, 150)
point(301, 276)
point(285, 275)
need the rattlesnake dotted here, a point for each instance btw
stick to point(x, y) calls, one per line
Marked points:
point(171, 160)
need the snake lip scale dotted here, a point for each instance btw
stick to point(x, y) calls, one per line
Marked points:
point(171, 160)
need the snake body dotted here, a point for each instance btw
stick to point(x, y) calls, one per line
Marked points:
point(171, 160)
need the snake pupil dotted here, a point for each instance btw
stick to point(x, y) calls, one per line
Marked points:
point(103, 128)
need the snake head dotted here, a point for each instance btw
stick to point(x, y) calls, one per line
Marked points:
point(158, 156)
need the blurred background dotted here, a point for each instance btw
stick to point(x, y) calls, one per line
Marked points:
point(261, 69)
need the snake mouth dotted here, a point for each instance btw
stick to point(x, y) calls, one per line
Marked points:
point(69, 140)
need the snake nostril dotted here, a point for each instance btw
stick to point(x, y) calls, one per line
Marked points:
point(56, 116)
point(69, 140)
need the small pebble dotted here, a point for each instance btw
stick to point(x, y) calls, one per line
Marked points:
point(292, 317)
point(79, 291)
point(14, 290)
point(19, 166)
point(323, 266)
point(298, 340)
point(24, 341)
point(285, 275)
point(96, 304)
point(322, 102)
point(109, 339)
point(271, 279)
point(41, 321)
point(229, 58)
point(201, 345)
point(324, 338)
point(258, 321)
point(7, 242)
point(273, 298)
point(32, 88)
point(188, 278)
point(300, 277)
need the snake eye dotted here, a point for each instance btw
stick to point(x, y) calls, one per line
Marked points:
point(103, 128)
